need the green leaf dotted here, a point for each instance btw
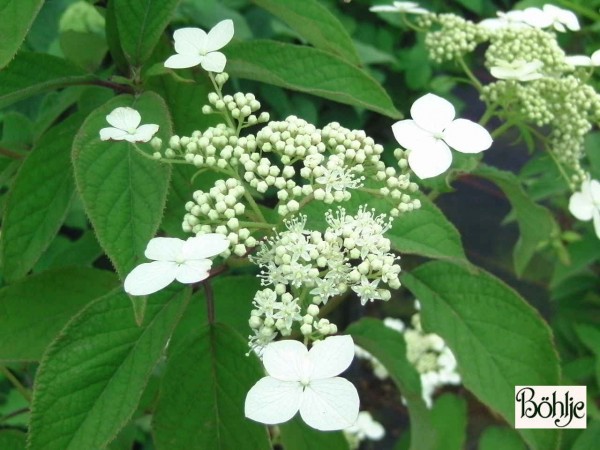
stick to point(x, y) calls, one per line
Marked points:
point(50, 298)
point(87, 50)
point(498, 339)
point(582, 254)
point(33, 216)
point(18, 15)
point(296, 435)
point(123, 192)
point(95, 372)
point(141, 24)
point(201, 401)
point(12, 440)
point(31, 73)
point(590, 336)
point(389, 348)
point(309, 70)
point(589, 438)
point(536, 223)
point(315, 23)
point(449, 418)
point(500, 438)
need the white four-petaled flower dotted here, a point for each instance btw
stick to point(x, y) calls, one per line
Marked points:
point(400, 7)
point(561, 19)
point(585, 205)
point(175, 259)
point(431, 133)
point(307, 381)
point(519, 70)
point(194, 46)
point(126, 126)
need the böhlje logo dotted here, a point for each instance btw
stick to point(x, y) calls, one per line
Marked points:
point(550, 406)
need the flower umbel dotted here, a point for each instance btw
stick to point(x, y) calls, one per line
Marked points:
point(585, 205)
point(431, 133)
point(299, 379)
point(175, 259)
point(126, 126)
point(194, 46)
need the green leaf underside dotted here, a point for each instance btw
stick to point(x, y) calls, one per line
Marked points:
point(201, 402)
point(536, 223)
point(31, 73)
point(389, 347)
point(316, 24)
point(309, 70)
point(296, 435)
point(93, 375)
point(39, 200)
point(141, 24)
point(34, 310)
point(18, 15)
point(124, 193)
point(493, 356)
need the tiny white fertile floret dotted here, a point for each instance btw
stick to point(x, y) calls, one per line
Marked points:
point(126, 126)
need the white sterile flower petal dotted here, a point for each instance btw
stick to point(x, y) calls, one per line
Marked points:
point(597, 222)
point(164, 249)
point(193, 271)
point(183, 61)
point(273, 401)
point(113, 133)
point(220, 35)
point(536, 17)
point(144, 133)
point(214, 62)
point(562, 16)
point(205, 246)
point(151, 277)
point(432, 113)
point(467, 136)
point(410, 7)
point(430, 161)
point(581, 206)
point(594, 191)
point(596, 58)
point(331, 356)
point(190, 41)
point(286, 360)
point(124, 118)
point(330, 404)
point(383, 8)
point(578, 60)
point(410, 135)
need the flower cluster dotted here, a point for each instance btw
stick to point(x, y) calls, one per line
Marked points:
point(427, 352)
point(365, 428)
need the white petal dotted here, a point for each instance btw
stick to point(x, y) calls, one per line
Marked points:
point(493, 24)
point(430, 161)
point(183, 61)
point(113, 133)
point(597, 222)
point(151, 277)
point(467, 136)
point(581, 206)
point(536, 18)
point(432, 113)
point(214, 62)
point(596, 58)
point(410, 135)
point(220, 35)
point(285, 360)
point(193, 271)
point(145, 132)
point(578, 60)
point(331, 356)
point(330, 404)
point(164, 249)
point(190, 41)
point(594, 191)
point(204, 246)
point(273, 401)
point(124, 118)
point(383, 8)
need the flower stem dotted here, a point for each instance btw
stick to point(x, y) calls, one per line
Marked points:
point(220, 94)
point(469, 74)
point(16, 383)
point(210, 301)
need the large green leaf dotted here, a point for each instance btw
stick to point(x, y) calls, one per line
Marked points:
point(536, 223)
point(140, 24)
point(310, 70)
point(124, 193)
point(449, 418)
point(12, 440)
point(31, 73)
point(17, 17)
point(33, 214)
point(296, 435)
point(315, 23)
point(500, 438)
point(498, 339)
point(389, 348)
point(589, 438)
point(34, 310)
point(201, 402)
point(93, 375)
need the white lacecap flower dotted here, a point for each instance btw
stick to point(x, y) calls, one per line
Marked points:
point(175, 259)
point(585, 204)
point(561, 19)
point(400, 7)
point(431, 133)
point(126, 126)
point(515, 19)
point(299, 379)
point(195, 47)
point(519, 70)
point(366, 427)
